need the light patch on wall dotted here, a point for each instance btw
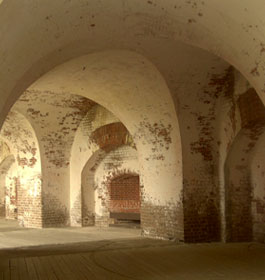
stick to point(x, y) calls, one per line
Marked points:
point(34, 190)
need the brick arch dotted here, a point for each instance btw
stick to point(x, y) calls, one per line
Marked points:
point(111, 136)
point(133, 89)
point(96, 175)
point(257, 180)
point(99, 133)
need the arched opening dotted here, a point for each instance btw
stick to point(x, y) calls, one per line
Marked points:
point(56, 116)
point(110, 150)
point(152, 136)
point(24, 177)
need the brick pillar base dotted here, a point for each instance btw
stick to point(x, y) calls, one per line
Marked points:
point(162, 222)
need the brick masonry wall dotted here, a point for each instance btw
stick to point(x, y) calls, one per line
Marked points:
point(258, 182)
point(253, 120)
point(30, 202)
point(162, 221)
point(251, 109)
point(239, 182)
point(198, 117)
point(238, 196)
point(228, 125)
point(11, 192)
point(124, 194)
point(210, 119)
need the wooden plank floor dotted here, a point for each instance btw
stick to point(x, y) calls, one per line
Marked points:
point(200, 262)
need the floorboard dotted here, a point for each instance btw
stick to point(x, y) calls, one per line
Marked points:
point(153, 262)
point(32, 273)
